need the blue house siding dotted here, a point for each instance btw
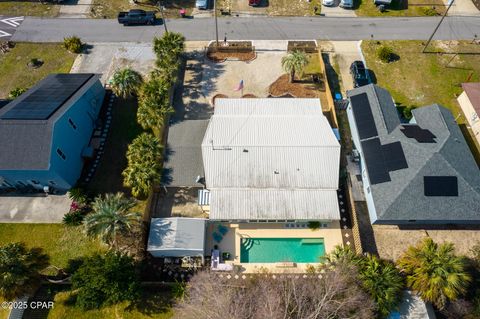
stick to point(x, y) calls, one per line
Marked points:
point(70, 134)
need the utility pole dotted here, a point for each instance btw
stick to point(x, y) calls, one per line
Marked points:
point(216, 21)
point(438, 26)
point(163, 17)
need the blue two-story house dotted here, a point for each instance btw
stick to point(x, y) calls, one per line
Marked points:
point(45, 133)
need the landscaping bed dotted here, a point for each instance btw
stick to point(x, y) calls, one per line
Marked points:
point(419, 79)
point(241, 51)
point(14, 69)
point(282, 86)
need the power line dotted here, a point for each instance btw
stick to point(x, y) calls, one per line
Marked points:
point(438, 26)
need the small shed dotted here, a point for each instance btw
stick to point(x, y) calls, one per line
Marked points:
point(177, 237)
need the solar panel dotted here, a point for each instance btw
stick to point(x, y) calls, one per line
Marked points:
point(419, 134)
point(382, 159)
point(363, 116)
point(45, 99)
point(376, 167)
point(440, 185)
point(394, 156)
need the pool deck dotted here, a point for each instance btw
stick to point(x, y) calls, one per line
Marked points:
point(236, 231)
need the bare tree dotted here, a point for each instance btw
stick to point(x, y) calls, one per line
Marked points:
point(336, 293)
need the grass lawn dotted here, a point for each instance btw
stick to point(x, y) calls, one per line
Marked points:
point(110, 8)
point(154, 304)
point(14, 71)
point(61, 243)
point(399, 9)
point(28, 8)
point(419, 79)
point(292, 7)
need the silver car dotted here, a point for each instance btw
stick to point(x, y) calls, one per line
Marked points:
point(348, 4)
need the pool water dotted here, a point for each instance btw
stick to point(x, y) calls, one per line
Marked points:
point(271, 250)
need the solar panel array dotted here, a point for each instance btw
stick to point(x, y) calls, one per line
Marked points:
point(440, 185)
point(382, 159)
point(53, 92)
point(363, 116)
point(419, 134)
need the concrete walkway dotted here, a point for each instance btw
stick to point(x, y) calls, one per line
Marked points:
point(33, 209)
point(75, 9)
point(462, 8)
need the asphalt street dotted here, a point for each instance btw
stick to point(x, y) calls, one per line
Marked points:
point(268, 28)
point(8, 25)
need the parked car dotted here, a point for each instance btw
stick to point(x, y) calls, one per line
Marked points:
point(328, 3)
point(136, 16)
point(359, 74)
point(384, 2)
point(347, 4)
point(201, 4)
point(254, 3)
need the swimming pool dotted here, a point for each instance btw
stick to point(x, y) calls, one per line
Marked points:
point(271, 250)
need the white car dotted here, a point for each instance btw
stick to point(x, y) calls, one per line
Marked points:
point(347, 4)
point(328, 3)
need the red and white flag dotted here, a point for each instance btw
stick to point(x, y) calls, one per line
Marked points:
point(240, 86)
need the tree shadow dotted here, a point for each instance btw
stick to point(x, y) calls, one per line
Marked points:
point(153, 301)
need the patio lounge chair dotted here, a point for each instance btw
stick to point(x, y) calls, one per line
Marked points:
point(222, 229)
point(217, 237)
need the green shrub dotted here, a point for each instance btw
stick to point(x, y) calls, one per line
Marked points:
point(16, 92)
point(78, 195)
point(407, 112)
point(103, 280)
point(73, 44)
point(429, 11)
point(73, 218)
point(314, 225)
point(385, 54)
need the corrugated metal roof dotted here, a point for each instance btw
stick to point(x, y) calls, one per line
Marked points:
point(177, 236)
point(270, 143)
point(271, 159)
point(248, 204)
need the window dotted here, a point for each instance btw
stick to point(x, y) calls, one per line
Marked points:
point(70, 121)
point(61, 154)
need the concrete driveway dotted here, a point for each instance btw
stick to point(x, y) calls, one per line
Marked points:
point(345, 52)
point(462, 8)
point(336, 11)
point(33, 209)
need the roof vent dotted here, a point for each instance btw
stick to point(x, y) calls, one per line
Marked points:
point(245, 150)
point(276, 172)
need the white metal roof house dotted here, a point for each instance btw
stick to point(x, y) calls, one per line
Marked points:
point(271, 159)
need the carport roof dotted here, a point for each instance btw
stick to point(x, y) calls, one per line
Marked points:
point(177, 236)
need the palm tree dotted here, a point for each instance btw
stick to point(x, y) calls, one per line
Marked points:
point(154, 104)
point(125, 82)
point(19, 269)
point(171, 44)
point(383, 282)
point(111, 217)
point(342, 255)
point(144, 148)
point(293, 63)
point(144, 168)
point(435, 272)
point(141, 177)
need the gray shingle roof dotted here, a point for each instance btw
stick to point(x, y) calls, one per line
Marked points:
point(402, 198)
point(26, 144)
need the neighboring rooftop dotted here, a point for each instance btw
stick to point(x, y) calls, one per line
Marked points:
point(26, 124)
point(184, 154)
point(177, 237)
point(472, 89)
point(271, 159)
point(418, 171)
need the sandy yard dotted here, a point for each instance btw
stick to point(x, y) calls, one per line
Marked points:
point(258, 74)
